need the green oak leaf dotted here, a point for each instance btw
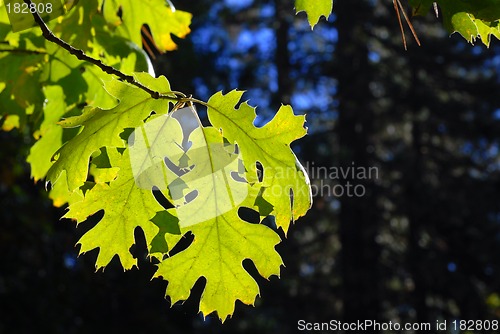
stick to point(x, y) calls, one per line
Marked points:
point(69, 4)
point(314, 9)
point(463, 23)
point(176, 153)
point(60, 195)
point(269, 145)
point(168, 235)
point(488, 29)
point(199, 170)
point(20, 88)
point(85, 28)
point(222, 240)
point(77, 28)
point(51, 134)
point(101, 167)
point(103, 127)
point(94, 94)
point(161, 20)
point(51, 10)
point(36, 62)
point(67, 88)
point(219, 247)
point(125, 206)
point(207, 173)
point(213, 176)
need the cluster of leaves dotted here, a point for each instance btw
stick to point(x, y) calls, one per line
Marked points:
point(471, 19)
point(81, 127)
point(114, 148)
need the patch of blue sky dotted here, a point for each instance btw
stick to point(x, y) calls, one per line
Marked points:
point(477, 49)
point(214, 10)
point(316, 99)
point(231, 66)
point(201, 89)
point(374, 57)
point(327, 86)
point(234, 66)
point(254, 47)
point(494, 62)
point(267, 11)
point(210, 39)
point(267, 74)
point(307, 50)
point(483, 151)
point(221, 62)
point(237, 5)
point(467, 148)
point(261, 39)
point(260, 97)
point(245, 41)
point(266, 41)
point(496, 114)
point(301, 100)
point(327, 32)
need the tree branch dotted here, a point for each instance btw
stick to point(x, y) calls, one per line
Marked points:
point(47, 33)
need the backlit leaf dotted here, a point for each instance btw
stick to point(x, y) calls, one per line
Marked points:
point(315, 9)
point(220, 245)
point(103, 127)
point(222, 240)
point(125, 206)
point(270, 146)
point(471, 19)
point(161, 20)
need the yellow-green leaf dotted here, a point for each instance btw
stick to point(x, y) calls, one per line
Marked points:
point(203, 176)
point(471, 19)
point(315, 9)
point(51, 133)
point(156, 14)
point(217, 253)
point(103, 127)
point(125, 206)
point(269, 145)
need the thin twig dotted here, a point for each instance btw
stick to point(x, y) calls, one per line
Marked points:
point(409, 23)
point(148, 39)
point(47, 33)
point(396, 8)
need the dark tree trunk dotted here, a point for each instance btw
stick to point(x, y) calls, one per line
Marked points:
point(416, 204)
point(282, 27)
point(358, 216)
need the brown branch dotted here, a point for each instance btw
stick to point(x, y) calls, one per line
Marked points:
point(409, 23)
point(396, 8)
point(48, 35)
point(397, 5)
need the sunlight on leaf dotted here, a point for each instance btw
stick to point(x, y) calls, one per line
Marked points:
point(314, 9)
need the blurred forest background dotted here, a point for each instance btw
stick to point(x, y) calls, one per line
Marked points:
point(422, 244)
